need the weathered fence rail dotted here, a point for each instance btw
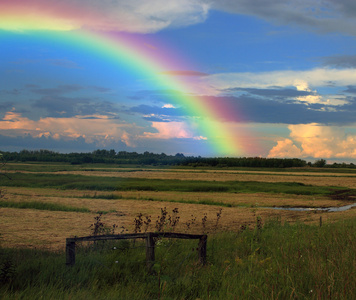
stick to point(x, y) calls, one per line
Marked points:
point(150, 244)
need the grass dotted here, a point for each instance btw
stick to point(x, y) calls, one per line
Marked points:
point(98, 183)
point(276, 261)
point(42, 206)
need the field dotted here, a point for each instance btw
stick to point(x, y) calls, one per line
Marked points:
point(43, 204)
point(122, 193)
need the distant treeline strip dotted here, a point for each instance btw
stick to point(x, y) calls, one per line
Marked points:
point(147, 158)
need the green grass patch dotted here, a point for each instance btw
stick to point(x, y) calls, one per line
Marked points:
point(42, 206)
point(278, 261)
point(98, 183)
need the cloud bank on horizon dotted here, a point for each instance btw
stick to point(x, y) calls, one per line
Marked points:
point(281, 74)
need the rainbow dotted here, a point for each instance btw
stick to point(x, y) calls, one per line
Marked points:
point(135, 52)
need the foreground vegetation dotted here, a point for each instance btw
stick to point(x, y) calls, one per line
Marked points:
point(252, 253)
point(276, 261)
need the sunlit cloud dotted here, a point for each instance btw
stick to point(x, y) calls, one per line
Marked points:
point(315, 140)
point(93, 129)
point(171, 130)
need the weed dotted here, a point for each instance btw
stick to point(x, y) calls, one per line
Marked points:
point(203, 222)
point(190, 222)
point(100, 228)
point(161, 220)
point(147, 222)
point(218, 217)
point(173, 219)
point(138, 222)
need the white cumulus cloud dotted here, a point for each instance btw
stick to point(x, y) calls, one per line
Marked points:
point(315, 140)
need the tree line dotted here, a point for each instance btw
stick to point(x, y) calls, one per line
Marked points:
point(148, 158)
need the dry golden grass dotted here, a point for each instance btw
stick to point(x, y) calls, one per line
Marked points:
point(48, 229)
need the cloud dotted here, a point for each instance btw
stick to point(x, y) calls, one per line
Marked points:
point(285, 148)
point(351, 89)
point(59, 106)
point(274, 92)
point(314, 78)
point(274, 108)
point(164, 113)
point(143, 16)
point(340, 61)
point(171, 130)
point(71, 100)
point(106, 15)
point(315, 140)
point(322, 16)
point(59, 90)
point(297, 86)
point(96, 129)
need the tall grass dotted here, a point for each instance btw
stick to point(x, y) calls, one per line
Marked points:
point(275, 261)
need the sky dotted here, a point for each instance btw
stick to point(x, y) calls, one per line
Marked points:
point(238, 78)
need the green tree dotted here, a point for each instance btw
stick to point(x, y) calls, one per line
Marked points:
point(320, 163)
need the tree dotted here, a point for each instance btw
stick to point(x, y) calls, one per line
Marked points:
point(320, 163)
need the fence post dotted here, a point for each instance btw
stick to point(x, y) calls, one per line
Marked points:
point(321, 221)
point(150, 252)
point(70, 252)
point(202, 249)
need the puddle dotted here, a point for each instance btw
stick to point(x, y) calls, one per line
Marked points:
point(326, 209)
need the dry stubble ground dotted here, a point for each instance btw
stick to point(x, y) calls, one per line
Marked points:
point(48, 229)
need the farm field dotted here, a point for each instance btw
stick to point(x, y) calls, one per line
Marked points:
point(253, 250)
point(79, 193)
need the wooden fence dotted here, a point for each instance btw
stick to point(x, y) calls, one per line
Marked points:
point(150, 244)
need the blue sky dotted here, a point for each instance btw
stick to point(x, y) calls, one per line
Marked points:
point(286, 70)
